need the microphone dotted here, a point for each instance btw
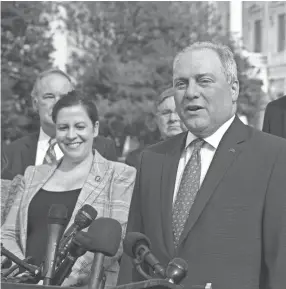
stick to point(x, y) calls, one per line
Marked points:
point(57, 220)
point(85, 215)
point(64, 269)
point(137, 246)
point(6, 263)
point(176, 270)
point(31, 268)
point(104, 236)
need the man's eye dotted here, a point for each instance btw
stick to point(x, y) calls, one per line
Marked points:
point(205, 80)
point(80, 127)
point(62, 128)
point(49, 96)
point(180, 84)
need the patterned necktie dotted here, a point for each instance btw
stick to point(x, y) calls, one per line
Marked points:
point(50, 154)
point(189, 186)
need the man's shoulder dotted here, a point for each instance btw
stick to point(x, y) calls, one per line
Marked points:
point(268, 142)
point(278, 103)
point(103, 139)
point(20, 143)
point(168, 145)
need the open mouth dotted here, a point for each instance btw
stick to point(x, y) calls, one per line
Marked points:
point(73, 145)
point(193, 108)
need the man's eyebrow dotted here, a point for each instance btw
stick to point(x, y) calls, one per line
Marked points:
point(48, 93)
point(179, 78)
point(205, 74)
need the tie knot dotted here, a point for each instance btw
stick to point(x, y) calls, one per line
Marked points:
point(198, 143)
point(52, 142)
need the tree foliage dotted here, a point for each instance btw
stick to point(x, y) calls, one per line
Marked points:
point(25, 51)
point(121, 53)
point(127, 49)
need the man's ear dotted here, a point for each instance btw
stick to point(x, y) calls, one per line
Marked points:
point(35, 103)
point(234, 91)
point(96, 129)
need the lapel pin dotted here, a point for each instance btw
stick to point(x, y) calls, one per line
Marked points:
point(97, 178)
point(232, 150)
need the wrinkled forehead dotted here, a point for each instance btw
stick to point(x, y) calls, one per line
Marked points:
point(54, 83)
point(197, 61)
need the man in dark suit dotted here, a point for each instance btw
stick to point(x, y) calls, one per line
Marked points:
point(275, 117)
point(215, 195)
point(29, 150)
point(167, 120)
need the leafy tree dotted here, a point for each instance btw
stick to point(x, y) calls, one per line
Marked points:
point(26, 47)
point(124, 51)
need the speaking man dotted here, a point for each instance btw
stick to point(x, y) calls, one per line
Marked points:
point(215, 195)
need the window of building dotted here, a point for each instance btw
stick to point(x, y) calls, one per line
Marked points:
point(281, 32)
point(257, 36)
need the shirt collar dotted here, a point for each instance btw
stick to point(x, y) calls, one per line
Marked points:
point(43, 137)
point(213, 139)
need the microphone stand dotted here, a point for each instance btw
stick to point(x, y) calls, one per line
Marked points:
point(137, 264)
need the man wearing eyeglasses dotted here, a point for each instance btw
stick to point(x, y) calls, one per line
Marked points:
point(167, 119)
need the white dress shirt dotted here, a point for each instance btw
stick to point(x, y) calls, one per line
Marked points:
point(207, 153)
point(42, 147)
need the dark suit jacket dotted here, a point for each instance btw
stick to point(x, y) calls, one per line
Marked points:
point(235, 236)
point(275, 117)
point(133, 158)
point(22, 153)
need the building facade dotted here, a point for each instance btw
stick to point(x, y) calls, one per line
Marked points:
point(264, 34)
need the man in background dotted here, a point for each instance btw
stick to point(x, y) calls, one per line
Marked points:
point(275, 117)
point(41, 147)
point(167, 119)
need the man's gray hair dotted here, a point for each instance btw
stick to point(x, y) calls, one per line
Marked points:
point(36, 87)
point(224, 52)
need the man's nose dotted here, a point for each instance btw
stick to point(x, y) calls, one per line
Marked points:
point(173, 116)
point(192, 90)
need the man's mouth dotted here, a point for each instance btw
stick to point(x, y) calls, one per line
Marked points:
point(193, 108)
point(73, 145)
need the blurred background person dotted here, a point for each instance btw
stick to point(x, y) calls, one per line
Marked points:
point(41, 147)
point(167, 120)
point(89, 179)
point(275, 117)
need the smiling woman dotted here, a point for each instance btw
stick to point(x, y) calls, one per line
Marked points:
point(76, 120)
point(81, 177)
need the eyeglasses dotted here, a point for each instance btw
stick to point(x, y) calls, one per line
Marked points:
point(167, 113)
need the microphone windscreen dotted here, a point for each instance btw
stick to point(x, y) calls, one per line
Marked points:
point(85, 216)
point(103, 236)
point(132, 240)
point(58, 214)
point(180, 263)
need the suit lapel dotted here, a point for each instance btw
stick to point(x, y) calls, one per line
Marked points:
point(29, 155)
point(169, 173)
point(35, 180)
point(227, 151)
point(95, 185)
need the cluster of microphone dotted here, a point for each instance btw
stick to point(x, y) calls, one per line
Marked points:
point(137, 246)
point(102, 238)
